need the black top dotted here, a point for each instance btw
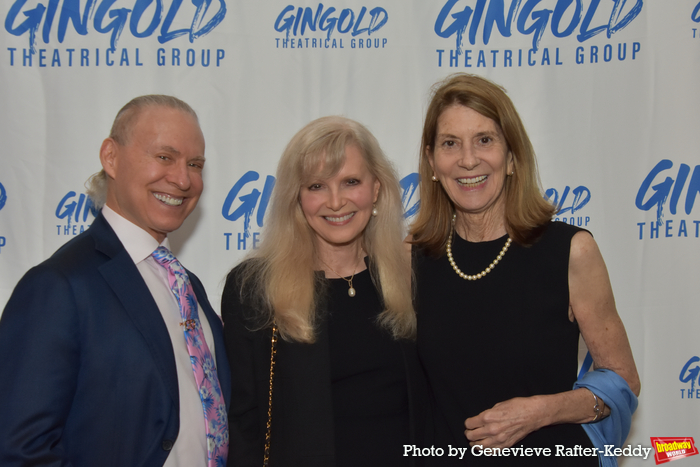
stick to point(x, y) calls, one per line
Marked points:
point(353, 397)
point(368, 379)
point(502, 336)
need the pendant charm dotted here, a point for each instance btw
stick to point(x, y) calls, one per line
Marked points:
point(351, 290)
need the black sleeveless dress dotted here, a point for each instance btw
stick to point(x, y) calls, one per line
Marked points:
point(505, 335)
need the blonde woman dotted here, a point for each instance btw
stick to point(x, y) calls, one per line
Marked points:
point(333, 278)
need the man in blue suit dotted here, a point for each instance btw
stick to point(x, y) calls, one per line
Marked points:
point(94, 367)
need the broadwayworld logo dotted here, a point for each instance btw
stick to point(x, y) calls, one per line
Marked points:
point(670, 449)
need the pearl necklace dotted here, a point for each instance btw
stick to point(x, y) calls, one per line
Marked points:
point(482, 273)
point(351, 290)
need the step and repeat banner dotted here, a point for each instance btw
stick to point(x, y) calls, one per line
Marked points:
point(608, 91)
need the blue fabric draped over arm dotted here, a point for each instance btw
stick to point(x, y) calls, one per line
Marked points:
point(613, 430)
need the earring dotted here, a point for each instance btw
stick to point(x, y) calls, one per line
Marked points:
point(435, 179)
point(375, 211)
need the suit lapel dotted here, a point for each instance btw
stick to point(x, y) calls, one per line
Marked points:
point(125, 280)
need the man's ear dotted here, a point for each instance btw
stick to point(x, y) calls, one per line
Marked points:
point(108, 157)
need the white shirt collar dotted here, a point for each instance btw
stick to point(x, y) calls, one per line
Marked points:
point(137, 242)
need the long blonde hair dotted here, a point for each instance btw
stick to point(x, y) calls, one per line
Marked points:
point(526, 209)
point(279, 277)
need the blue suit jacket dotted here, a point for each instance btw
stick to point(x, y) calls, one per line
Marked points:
point(87, 370)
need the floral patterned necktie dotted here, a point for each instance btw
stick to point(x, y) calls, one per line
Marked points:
point(205, 375)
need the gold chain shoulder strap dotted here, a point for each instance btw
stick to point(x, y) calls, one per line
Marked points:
point(273, 351)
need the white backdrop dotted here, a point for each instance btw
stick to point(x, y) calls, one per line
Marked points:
point(607, 90)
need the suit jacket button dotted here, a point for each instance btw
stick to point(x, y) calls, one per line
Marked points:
point(167, 445)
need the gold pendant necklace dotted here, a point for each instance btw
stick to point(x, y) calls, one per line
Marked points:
point(482, 273)
point(351, 290)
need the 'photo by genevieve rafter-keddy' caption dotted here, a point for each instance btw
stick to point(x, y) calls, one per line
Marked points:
point(558, 451)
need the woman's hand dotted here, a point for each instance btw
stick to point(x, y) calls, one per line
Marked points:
point(508, 422)
point(505, 423)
